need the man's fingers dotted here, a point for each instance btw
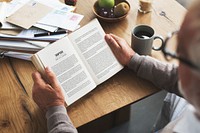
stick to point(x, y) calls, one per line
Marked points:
point(111, 42)
point(115, 37)
point(37, 78)
point(51, 77)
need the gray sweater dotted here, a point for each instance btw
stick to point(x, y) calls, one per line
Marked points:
point(160, 74)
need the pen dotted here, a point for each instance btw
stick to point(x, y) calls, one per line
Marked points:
point(50, 33)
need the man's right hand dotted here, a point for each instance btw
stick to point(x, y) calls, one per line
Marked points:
point(47, 94)
point(121, 49)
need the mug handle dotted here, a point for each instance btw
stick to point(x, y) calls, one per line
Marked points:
point(162, 43)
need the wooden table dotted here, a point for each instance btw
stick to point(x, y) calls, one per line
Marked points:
point(19, 113)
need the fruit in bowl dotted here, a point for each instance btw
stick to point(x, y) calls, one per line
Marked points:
point(121, 9)
point(106, 3)
point(106, 12)
point(111, 10)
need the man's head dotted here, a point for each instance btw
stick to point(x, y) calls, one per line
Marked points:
point(189, 48)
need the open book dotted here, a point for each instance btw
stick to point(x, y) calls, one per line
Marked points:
point(81, 61)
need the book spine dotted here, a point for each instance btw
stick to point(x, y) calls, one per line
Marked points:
point(38, 63)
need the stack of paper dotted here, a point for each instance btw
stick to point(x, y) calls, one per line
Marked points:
point(25, 18)
point(19, 55)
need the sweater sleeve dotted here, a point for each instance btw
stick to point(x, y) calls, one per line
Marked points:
point(58, 120)
point(162, 75)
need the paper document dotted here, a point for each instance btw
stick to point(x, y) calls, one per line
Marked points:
point(4, 10)
point(30, 34)
point(12, 32)
point(18, 55)
point(29, 14)
point(16, 46)
point(46, 27)
point(62, 19)
point(56, 4)
point(28, 45)
point(21, 45)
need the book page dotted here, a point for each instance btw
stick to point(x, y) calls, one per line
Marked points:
point(92, 48)
point(69, 69)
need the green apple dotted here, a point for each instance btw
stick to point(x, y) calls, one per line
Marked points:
point(106, 3)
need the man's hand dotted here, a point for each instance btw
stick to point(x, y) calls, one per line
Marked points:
point(47, 94)
point(121, 49)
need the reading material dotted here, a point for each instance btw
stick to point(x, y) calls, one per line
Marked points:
point(81, 61)
point(18, 55)
point(29, 14)
point(2, 11)
point(4, 26)
point(24, 43)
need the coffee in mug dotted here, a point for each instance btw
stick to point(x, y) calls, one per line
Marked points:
point(142, 40)
point(143, 34)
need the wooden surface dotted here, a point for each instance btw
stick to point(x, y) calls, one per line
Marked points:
point(5, 0)
point(18, 112)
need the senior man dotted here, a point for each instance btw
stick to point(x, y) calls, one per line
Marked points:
point(179, 115)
